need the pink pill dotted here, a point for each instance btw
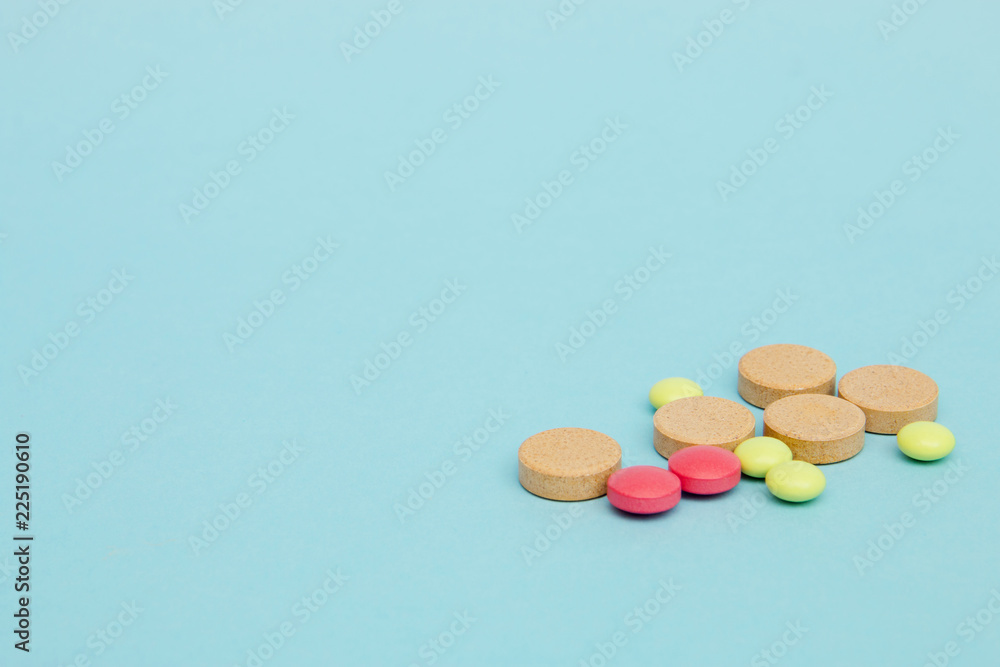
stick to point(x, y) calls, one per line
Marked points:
point(705, 469)
point(644, 489)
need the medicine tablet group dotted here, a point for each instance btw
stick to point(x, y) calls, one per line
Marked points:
point(644, 489)
point(706, 470)
point(758, 455)
point(701, 420)
point(671, 389)
point(568, 463)
point(772, 372)
point(709, 441)
point(795, 481)
point(891, 396)
point(925, 441)
point(816, 427)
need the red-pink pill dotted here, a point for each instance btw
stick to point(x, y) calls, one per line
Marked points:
point(644, 489)
point(705, 469)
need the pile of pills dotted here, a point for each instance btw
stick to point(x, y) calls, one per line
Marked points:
point(710, 442)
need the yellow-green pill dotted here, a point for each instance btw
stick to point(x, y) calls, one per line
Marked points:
point(795, 481)
point(671, 389)
point(925, 441)
point(758, 455)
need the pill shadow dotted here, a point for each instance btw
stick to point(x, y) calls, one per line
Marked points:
point(706, 497)
point(941, 461)
point(641, 518)
point(775, 500)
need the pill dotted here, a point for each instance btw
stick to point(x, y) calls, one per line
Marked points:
point(701, 420)
point(671, 389)
point(758, 455)
point(891, 396)
point(644, 489)
point(795, 481)
point(706, 469)
point(568, 463)
point(925, 441)
point(775, 371)
point(816, 427)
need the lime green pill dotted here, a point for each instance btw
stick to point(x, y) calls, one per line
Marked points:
point(795, 481)
point(925, 441)
point(758, 455)
point(671, 389)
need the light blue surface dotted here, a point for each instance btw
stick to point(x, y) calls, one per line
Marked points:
point(736, 587)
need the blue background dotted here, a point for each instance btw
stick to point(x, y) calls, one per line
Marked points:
point(859, 298)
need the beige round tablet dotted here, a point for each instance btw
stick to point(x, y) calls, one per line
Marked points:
point(774, 371)
point(816, 427)
point(568, 463)
point(891, 396)
point(701, 420)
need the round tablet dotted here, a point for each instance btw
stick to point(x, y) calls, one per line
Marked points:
point(758, 455)
point(671, 389)
point(568, 463)
point(705, 470)
point(774, 371)
point(925, 441)
point(644, 489)
point(816, 427)
point(701, 420)
point(891, 396)
point(795, 481)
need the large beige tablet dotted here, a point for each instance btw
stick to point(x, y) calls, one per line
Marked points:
point(774, 371)
point(891, 396)
point(816, 427)
point(701, 420)
point(568, 463)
